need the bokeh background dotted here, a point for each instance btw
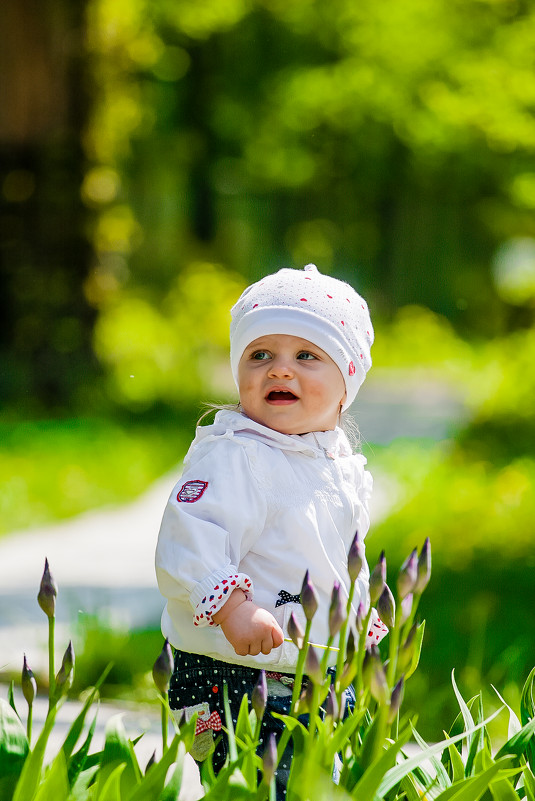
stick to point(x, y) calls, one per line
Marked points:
point(158, 155)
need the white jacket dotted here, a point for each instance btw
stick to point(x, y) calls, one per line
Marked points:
point(255, 503)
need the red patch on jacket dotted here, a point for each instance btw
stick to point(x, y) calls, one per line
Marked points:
point(191, 491)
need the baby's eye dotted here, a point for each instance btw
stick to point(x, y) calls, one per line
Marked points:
point(260, 355)
point(305, 354)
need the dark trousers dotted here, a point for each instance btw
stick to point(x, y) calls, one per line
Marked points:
point(198, 680)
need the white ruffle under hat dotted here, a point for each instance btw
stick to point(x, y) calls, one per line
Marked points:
point(307, 304)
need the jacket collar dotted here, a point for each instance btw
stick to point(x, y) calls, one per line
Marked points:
point(318, 443)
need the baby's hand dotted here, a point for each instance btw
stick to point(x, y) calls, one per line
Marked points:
point(248, 628)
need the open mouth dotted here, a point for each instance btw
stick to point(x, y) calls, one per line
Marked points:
point(281, 396)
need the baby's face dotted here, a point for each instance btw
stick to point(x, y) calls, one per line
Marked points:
point(289, 384)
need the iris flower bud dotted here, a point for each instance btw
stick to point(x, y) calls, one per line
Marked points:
point(396, 699)
point(65, 676)
point(295, 631)
point(28, 683)
point(355, 557)
point(269, 759)
point(406, 607)
point(407, 575)
point(386, 607)
point(378, 579)
point(375, 675)
point(162, 669)
point(350, 647)
point(424, 567)
point(259, 695)
point(309, 598)
point(312, 667)
point(406, 652)
point(47, 593)
point(332, 709)
point(337, 612)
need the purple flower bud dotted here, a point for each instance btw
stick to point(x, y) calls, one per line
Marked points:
point(350, 648)
point(47, 593)
point(376, 678)
point(406, 607)
point(295, 631)
point(337, 612)
point(269, 759)
point(65, 676)
point(424, 568)
point(355, 558)
point(406, 651)
point(312, 666)
point(386, 607)
point(309, 598)
point(378, 579)
point(162, 669)
point(332, 709)
point(28, 683)
point(407, 575)
point(259, 695)
point(396, 699)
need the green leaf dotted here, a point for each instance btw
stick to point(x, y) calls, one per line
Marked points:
point(31, 772)
point(172, 788)
point(529, 783)
point(77, 726)
point(118, 750)
point(395, 775)
point(151, 785)
point(79, 790)
point(527, 713)
point(527, 703)
point(55, 785)
point(472, 788)
point(518, 744)
point(457, 764)
point(13, 749)
point(78, 761)
point(418, 640)
point(367, 787)
point(110, 789)
point(11, 698)
point(502, 790)
point(441, 773)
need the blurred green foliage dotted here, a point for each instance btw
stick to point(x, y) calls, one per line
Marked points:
point(51, 470)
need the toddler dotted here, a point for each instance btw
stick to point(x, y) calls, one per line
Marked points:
point(269, 490)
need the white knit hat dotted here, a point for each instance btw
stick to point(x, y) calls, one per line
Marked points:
point(310, 305)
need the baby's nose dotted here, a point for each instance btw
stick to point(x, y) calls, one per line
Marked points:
point(281, 366)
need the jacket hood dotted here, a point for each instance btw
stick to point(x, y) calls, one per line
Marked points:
point(237, 425)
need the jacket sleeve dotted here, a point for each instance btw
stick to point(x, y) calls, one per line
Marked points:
point(214, 515)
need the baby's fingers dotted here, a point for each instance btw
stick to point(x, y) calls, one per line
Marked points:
point(277, 636)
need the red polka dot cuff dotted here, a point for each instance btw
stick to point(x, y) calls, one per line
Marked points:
point(215, 598)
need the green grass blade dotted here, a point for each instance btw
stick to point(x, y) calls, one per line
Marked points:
point(518, 744)
point(31, 772)
point(395, 775)
point(472, 788)
point(367, 786)
point(77, 726)
point(441, 773)
point(110, 789)
point(11, 698)
point(502, 790)
point(78, 761)
point(151, 785)
point(172, 789)
point(118, 750)
point(55, 784)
